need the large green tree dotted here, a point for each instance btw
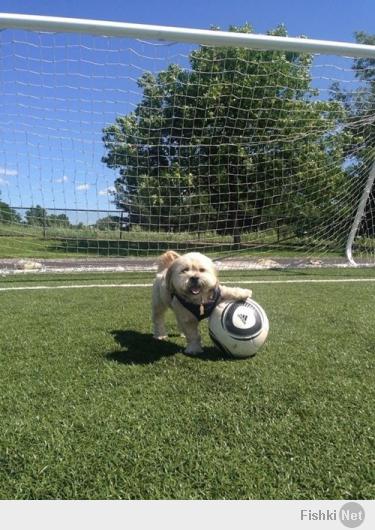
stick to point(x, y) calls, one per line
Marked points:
point(216, 145)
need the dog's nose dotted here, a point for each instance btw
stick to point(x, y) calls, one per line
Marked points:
point(194, 279)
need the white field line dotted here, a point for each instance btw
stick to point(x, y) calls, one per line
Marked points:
point(130, 285)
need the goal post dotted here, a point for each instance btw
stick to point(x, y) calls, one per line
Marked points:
point(359, 214)
point(187, 35)
point(126, 139)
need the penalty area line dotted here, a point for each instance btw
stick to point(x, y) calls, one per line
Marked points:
point(134, 285)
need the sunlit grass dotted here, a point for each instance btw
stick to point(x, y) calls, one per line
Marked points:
point(92, 407)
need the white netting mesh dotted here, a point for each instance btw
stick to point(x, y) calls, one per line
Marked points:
point(119, 147)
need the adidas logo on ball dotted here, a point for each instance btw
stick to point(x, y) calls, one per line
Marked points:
point(243, 318)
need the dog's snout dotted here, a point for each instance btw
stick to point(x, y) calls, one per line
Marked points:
point(194, 279)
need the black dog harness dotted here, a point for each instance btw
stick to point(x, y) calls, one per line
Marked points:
point(201, 311)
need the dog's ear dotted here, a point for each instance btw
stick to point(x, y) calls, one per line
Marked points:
point(167, 259)
point(168, 277)
point(215, 273)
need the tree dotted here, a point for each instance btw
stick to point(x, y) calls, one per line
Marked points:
point(110, 222)
point(8, 214)
point(37, 216)
point(201, 147)
point(58, 221)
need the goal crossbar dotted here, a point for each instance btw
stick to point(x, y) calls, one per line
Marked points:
point(187, 35)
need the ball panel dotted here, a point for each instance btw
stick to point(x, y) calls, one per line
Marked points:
point(218, 344)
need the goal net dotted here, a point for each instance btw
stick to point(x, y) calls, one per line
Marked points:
point(121, 146)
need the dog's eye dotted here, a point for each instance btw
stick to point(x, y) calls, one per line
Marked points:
point(202, 270)
point(186, 269)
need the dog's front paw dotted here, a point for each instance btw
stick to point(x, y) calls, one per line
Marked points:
point(243, 294)
point(193, 349)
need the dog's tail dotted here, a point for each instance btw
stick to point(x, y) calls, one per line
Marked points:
point(166, 259)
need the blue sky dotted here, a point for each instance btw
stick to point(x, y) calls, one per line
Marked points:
point(65, 173)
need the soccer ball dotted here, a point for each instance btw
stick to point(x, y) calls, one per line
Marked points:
point(238, 328)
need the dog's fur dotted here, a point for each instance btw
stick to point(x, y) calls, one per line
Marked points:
point(194, 278)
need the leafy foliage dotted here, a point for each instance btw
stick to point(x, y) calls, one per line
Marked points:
point(213, 145)
point(38, 216)
point(8, 214)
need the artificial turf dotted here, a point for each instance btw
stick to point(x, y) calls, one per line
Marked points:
point(91, 407)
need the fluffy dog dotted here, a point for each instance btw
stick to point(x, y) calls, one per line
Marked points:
point(189, 285)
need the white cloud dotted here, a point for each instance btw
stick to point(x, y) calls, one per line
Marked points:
point(4, 171)
point(62, 180)
point(107, 191)
point(83, 187)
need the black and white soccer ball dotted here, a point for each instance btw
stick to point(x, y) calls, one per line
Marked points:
point(238, 328)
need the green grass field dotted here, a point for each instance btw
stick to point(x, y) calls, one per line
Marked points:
point(92, 407)
point(23, 241)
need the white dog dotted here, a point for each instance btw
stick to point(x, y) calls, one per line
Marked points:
point(190, 286)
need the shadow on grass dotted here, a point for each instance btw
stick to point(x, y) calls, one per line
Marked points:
point(142, 348)
point(212, 354)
